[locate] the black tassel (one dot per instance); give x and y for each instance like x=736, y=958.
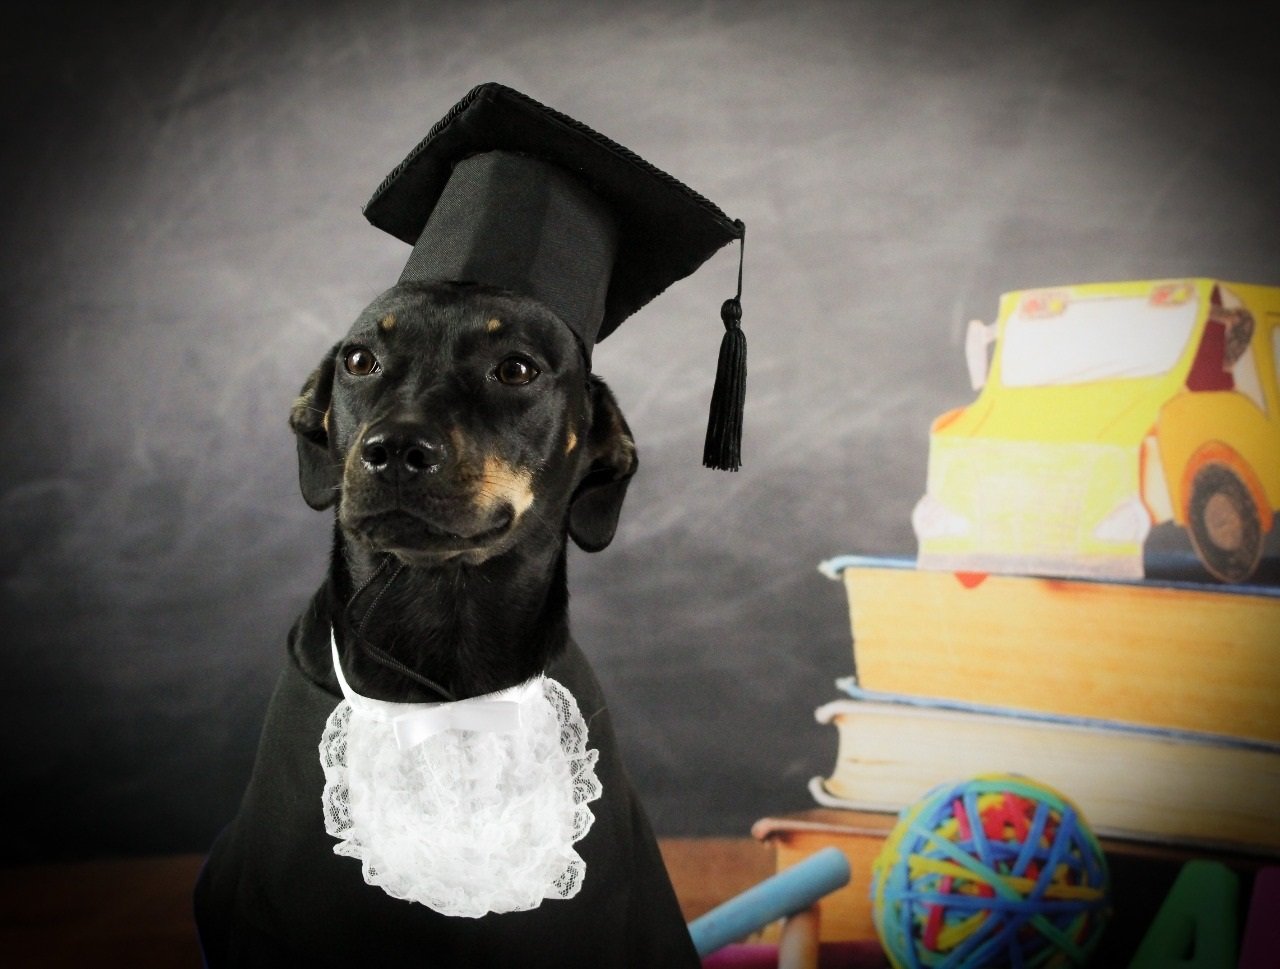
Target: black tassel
x=723, y=448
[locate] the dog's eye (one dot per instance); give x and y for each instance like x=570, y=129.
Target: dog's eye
x=361, y=362
x=516, y=371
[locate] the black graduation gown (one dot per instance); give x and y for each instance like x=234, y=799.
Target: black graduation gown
x=273, y=893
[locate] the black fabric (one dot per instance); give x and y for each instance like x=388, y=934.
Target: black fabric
x=273, y=893
x=665, y=229
x=525, y=225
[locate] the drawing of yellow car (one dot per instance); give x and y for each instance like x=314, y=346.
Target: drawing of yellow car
x=1105, y=409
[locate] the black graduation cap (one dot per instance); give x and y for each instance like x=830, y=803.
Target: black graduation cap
x=508, y=192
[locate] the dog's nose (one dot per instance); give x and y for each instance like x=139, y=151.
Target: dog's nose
x=401, y=450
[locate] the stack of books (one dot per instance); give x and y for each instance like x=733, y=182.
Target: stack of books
x=1154, y=706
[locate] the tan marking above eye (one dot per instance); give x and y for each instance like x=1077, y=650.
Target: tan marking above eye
x=501, y=482
x=572, y=443
x=494, y=325
x=387, y=323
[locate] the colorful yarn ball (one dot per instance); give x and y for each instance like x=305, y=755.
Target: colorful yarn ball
x=995, y=871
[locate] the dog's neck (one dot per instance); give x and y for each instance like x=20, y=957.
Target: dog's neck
x=470, y=629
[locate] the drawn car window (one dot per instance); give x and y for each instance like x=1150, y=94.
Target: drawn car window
x=1245, y=372
x=1078, y=341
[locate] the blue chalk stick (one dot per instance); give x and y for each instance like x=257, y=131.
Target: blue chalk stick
x=786, y=893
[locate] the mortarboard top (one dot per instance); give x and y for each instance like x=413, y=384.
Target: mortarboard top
x=508, y=192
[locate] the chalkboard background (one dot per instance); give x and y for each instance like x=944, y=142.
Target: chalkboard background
x=182, y=240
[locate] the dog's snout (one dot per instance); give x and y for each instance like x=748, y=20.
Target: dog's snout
x=402, y=450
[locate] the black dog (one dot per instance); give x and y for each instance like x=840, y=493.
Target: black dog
x=461, y=437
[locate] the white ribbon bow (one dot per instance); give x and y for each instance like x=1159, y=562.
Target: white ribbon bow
x=415, y=722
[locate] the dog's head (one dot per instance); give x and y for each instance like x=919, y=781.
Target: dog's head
x=454, y=421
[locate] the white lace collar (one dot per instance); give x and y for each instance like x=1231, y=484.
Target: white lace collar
x=468, y=807
x=413, y=723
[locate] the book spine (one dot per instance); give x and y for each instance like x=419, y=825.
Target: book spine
x=1129, y=784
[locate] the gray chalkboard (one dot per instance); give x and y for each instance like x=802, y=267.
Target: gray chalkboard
x=182, y=240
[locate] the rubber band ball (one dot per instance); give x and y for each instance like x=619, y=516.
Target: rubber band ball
x=995, y=871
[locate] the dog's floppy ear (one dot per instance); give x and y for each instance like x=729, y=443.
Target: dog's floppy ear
x=319, y=474
x=611, y=461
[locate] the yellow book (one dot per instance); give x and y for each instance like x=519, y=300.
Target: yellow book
x=1147, y=785
x=1170, y=655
